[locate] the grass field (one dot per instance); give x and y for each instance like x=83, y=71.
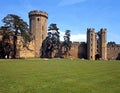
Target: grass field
x=59, y=76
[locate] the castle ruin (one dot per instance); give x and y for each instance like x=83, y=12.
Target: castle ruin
x=96, y=46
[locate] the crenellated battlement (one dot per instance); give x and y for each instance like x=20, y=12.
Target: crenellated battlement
x=90, y=29
x=38, y=28
x=38, y=13
x=103, y=30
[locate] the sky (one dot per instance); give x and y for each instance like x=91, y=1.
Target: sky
x=74, y=15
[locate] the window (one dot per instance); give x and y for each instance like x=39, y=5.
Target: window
x=91, y=39
x=97, y=46
x=97, y=50
x=38, y=19
x=42, y=28
x=91, y=44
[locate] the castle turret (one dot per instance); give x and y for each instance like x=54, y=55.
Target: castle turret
x=38, y=28
x=103, y=44
x=91, y=42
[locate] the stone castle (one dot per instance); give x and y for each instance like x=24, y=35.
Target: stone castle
x=96, y=45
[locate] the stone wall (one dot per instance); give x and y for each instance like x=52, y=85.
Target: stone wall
x=113, y=51
x=78, y=50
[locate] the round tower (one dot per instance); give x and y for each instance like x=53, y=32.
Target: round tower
x=38, y=28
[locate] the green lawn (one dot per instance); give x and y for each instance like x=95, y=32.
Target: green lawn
x=59, y=76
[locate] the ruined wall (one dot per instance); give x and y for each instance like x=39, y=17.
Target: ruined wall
x=78, y=50
x=24, y=52
x=82, y=50
x=113, y=51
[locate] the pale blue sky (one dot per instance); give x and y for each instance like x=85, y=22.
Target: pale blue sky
x=75, y=15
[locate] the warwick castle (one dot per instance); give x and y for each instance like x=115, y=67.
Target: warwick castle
x=95, y=46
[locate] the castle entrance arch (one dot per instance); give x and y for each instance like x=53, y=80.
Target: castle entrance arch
x=97, y=57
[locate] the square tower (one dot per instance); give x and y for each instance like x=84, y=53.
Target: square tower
x=91, y=43
x=103, y=45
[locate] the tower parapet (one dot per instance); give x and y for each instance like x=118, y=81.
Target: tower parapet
x=90, y=30
x=103, y=29
x=38, y=13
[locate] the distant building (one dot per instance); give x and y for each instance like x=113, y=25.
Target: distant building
x=95, y=48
